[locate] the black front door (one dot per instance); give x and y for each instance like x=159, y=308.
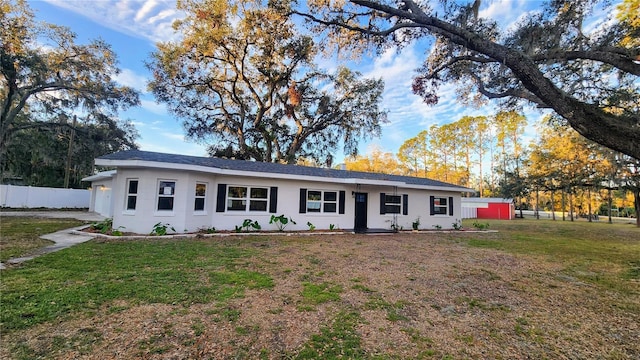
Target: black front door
x=360, y=212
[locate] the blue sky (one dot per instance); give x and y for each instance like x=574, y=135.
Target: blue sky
x=132, y=27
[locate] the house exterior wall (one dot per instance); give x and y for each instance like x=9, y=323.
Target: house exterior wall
x=102, y=197
x=184, y=217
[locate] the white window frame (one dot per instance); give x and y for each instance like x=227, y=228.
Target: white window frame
x=131, y=195
x=166, y=192
x=388, y=204
x=203, y=197
x=248, y=199
x=438, y=205
x=319, y=206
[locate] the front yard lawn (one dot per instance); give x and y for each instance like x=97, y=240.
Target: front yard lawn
x=19, y=236
x=534, y=289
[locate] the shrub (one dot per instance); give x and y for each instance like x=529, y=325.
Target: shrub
x=457, y=225
x=103, y=226
x=160, y=229
x=281, y=221
x=248, y=223
x=311, y=226
x=416, y=223
x=480, y=226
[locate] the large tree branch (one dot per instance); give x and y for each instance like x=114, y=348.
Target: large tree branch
x=622, y=61
x=512, y=92
x=457, y=59
x=359, y=29
x=617, y=132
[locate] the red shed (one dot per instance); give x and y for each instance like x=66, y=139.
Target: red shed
x=489, y=208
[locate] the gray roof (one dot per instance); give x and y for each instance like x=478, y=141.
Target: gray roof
x=273, y=168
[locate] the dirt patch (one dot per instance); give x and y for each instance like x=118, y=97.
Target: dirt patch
x=415, y=295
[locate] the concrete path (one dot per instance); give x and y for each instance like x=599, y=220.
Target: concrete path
x=62, y=239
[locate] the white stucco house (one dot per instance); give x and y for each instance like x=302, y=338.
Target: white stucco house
x=190, y=193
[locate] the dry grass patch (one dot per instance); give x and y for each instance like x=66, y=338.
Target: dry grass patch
x=403, y=296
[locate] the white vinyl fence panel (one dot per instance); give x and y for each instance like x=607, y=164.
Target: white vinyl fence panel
x=469, y=212
x=42, y=197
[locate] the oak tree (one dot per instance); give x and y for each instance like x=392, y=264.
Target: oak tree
x=243, y=80
x=547, y=59
x=46, y=78
x=62, y=156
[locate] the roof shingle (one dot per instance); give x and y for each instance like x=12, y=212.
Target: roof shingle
x=273, y=168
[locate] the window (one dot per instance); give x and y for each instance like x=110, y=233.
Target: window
x=392, y=204
x=330, y=201
x=322, y=201
x=201, y=192
x=132, y=194
x=238, y=197
x=440, y=206
x=166, y=192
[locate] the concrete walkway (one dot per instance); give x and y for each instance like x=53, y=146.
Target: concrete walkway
x=62, y=239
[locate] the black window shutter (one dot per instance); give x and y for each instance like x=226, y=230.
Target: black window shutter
x=273, y=200
x=382, y=207
x=303, y=201
x=341, y=200
x=405, y=204
x=450, y=205
x=222, y=195
x=432, y=209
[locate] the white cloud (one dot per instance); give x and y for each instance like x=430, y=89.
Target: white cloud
x=128, y=77
x=146, y=9
x=153, y=107
x=150, y=19
x=173, y=136
x=503, y=11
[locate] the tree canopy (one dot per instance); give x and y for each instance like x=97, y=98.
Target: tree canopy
x=62, y=156
x=243, y=80
x=47, y=79
x=547, y=59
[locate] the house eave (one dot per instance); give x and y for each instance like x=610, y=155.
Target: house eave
x=103, y=175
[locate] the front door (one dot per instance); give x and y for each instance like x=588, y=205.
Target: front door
x=360, y=224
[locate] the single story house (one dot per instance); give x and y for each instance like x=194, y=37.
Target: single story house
x=488, y=208
x=190, y=193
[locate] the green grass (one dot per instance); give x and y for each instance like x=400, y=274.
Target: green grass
x=111, y=276
x=21, y=235
x=320, y=293
x=338, y=340
x=86, y=276
x=598, y=253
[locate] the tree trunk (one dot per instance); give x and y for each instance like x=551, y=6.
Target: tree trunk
x=553, y=206
x=67, y=168
x=610, y=205
x=537, y=203
x=589, y=198
x=563, y=205
x=571, y=205
x=636, y=203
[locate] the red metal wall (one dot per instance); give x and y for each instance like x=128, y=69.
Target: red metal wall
x=499, y=211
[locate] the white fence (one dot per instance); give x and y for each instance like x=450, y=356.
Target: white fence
x=42, y=197
x=469, y=212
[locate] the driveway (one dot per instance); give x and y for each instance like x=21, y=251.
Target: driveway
x=62, y=239
x=80, y=215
